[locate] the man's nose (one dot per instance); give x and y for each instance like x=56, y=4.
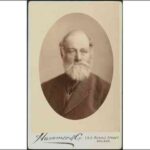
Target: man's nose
x=78, y=56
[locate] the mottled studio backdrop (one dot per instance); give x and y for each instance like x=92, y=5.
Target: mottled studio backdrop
x=50, y=63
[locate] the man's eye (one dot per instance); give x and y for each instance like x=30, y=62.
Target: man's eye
x=70, y=50
x=84, y=51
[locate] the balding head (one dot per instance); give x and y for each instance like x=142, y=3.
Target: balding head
x=77, y=36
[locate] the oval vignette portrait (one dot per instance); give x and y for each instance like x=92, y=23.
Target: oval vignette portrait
x=76, y=66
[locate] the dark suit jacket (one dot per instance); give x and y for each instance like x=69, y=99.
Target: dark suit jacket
x=85, y=100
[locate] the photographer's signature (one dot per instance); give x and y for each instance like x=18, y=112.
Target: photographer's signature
x=44, y=137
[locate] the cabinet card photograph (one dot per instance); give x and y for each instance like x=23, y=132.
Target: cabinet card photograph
x=74, y=75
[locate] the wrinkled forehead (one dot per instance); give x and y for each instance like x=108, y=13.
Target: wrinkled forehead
x=78, y=39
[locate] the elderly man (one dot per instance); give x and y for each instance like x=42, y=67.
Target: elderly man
x=77, y=93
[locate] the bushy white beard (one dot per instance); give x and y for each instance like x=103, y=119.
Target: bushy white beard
x=78, y=71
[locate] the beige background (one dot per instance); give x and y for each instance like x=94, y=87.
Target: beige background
x=50, y=61
x=42, y=16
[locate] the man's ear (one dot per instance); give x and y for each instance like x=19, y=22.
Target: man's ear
x=61, y=50
x=62, y=53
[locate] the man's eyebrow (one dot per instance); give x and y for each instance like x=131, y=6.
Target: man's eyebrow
x=70, y=48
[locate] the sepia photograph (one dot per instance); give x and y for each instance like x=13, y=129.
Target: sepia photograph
x=81, y=44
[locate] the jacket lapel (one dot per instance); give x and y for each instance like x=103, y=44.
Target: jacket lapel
x=79, y=95
x=57, y=95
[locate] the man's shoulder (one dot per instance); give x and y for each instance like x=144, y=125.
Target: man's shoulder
x=101, y=83
x=100, y=88
x=53, y=82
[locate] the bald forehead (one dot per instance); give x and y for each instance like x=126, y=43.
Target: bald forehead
x=76, y=37
x=76, y=34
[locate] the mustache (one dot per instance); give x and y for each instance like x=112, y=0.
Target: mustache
x=85, y=64
x=82, y=63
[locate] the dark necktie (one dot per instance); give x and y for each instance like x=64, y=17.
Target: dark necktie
x=70, y=89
